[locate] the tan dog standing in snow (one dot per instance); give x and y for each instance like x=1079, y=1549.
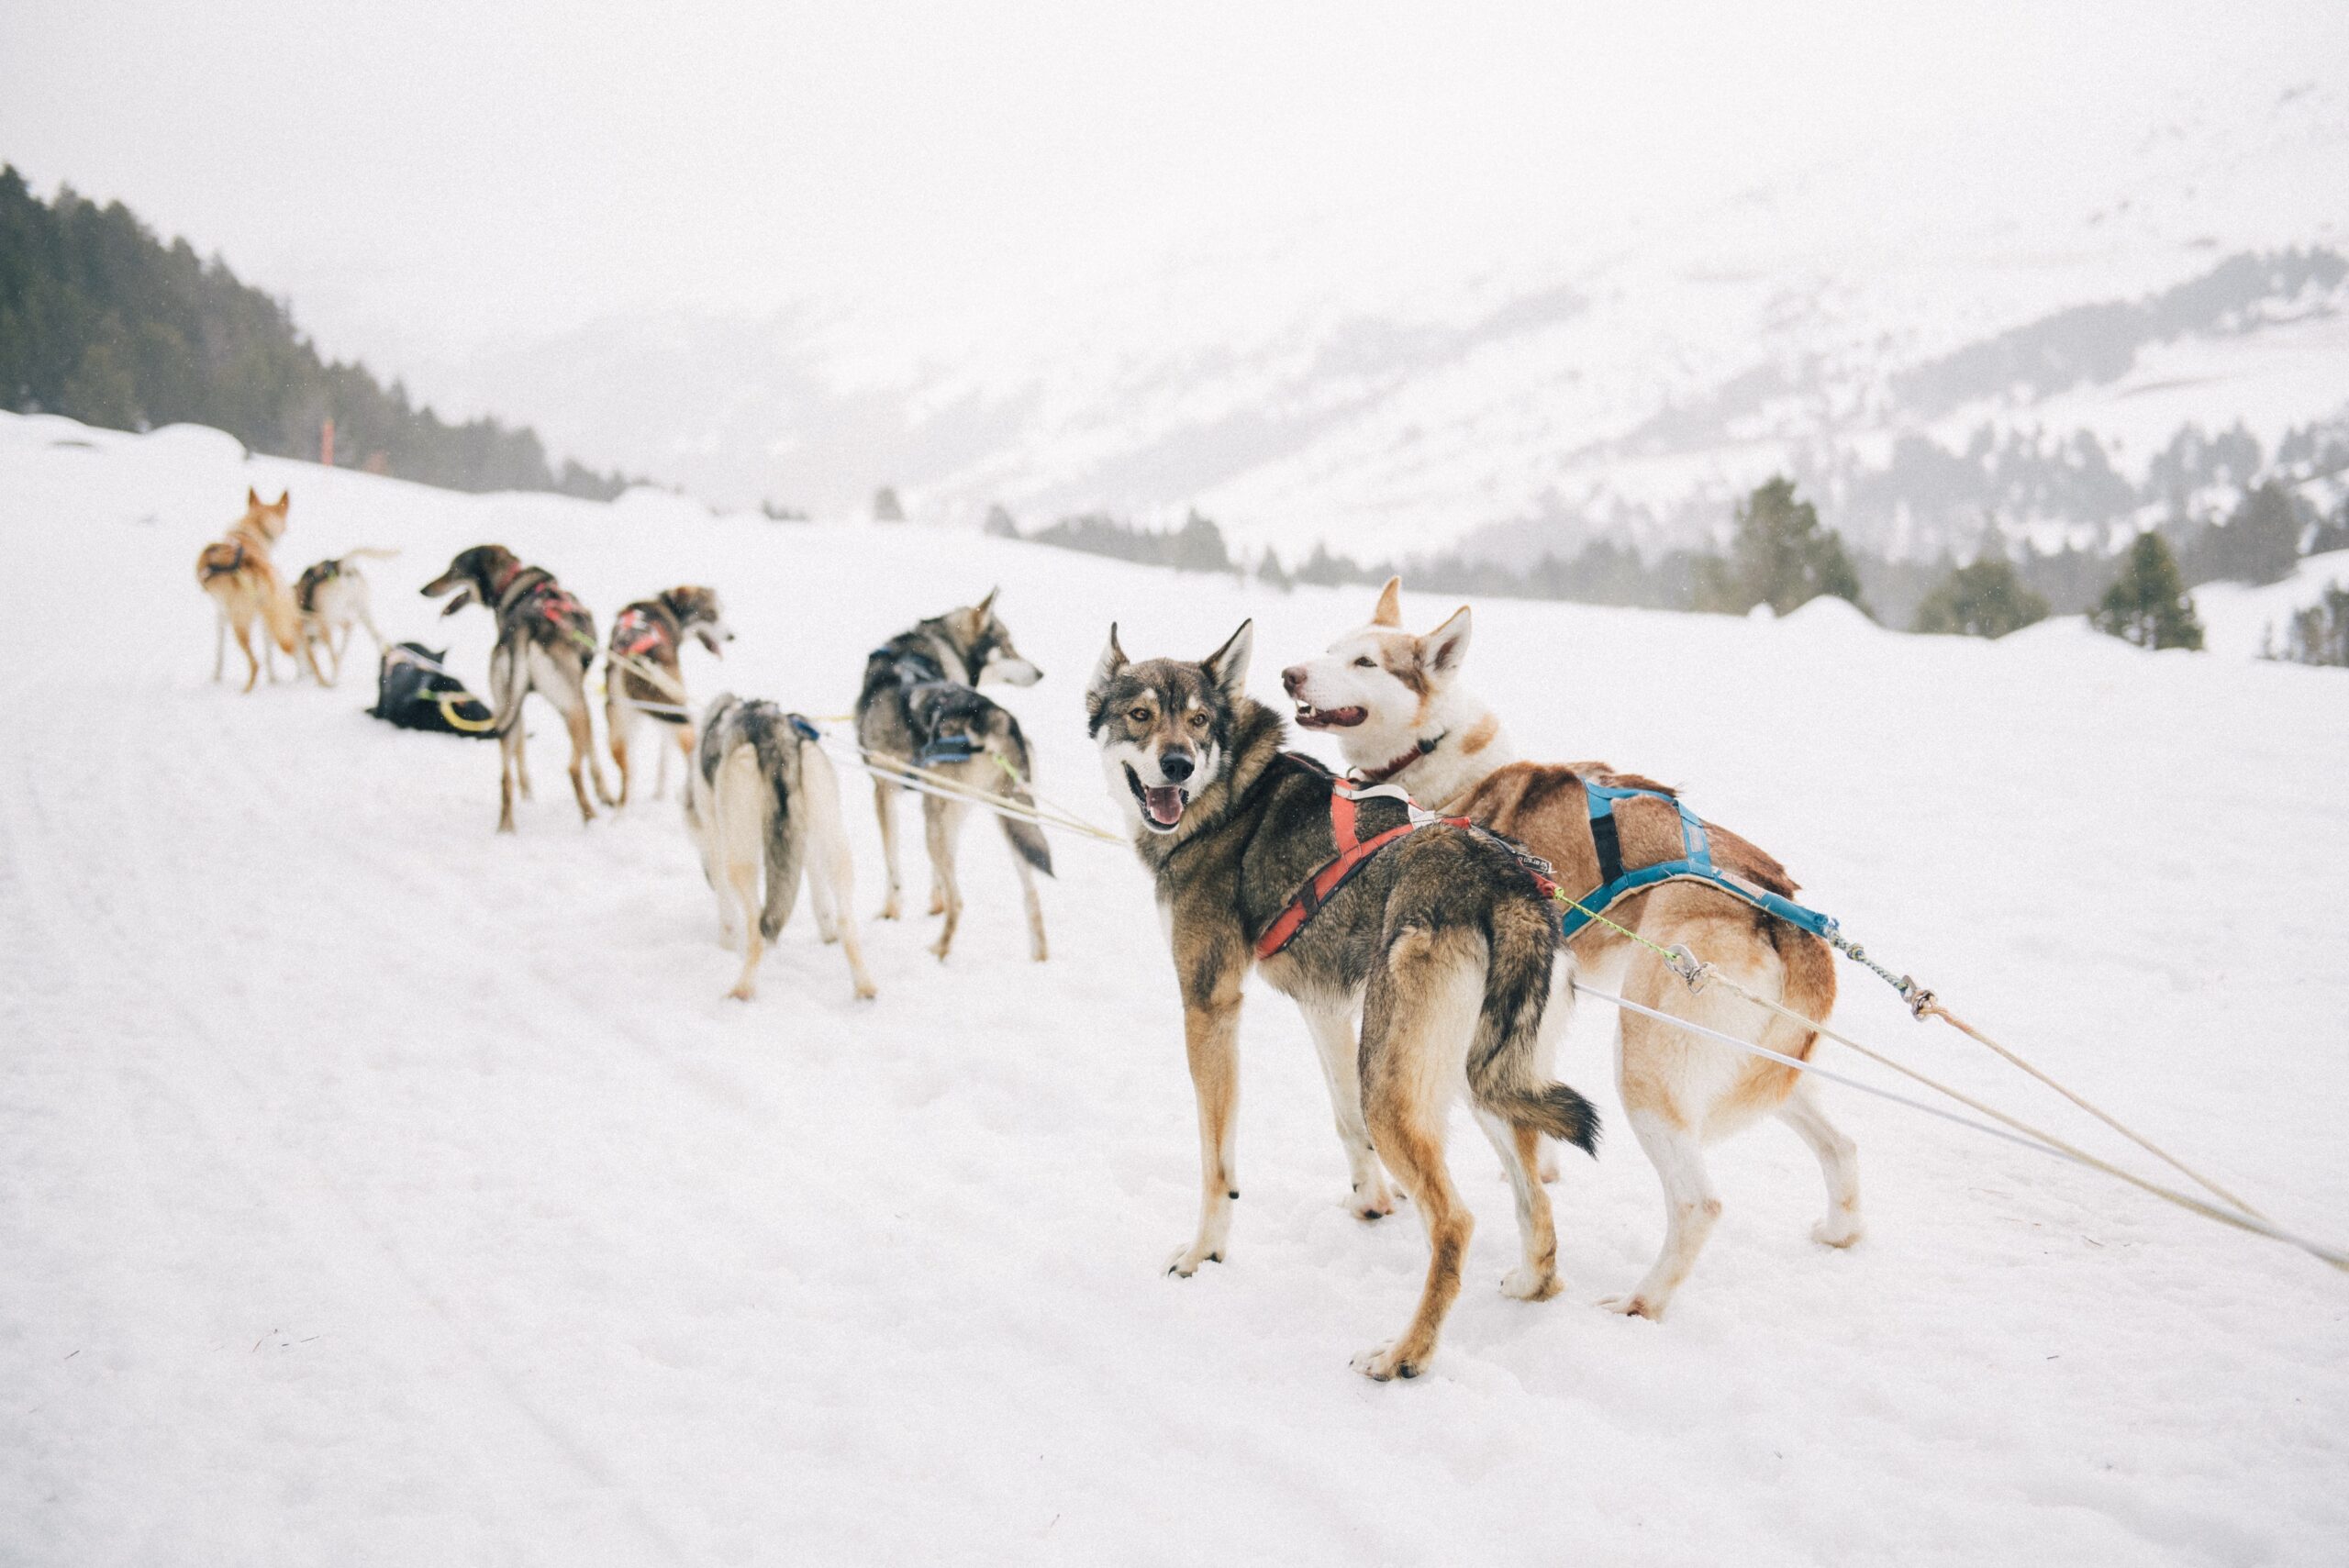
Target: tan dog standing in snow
x=1395, y=702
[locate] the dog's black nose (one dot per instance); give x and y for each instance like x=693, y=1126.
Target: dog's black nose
x=1292, y=678
x=1176, y=765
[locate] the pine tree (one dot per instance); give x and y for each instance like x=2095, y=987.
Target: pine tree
x=1984, y=599
x=2147, y=604
x=1272, y=573
x=1000, y=524
x=1198, y=546
x=1780, y=557
x=886, y=507
x=2320, y=634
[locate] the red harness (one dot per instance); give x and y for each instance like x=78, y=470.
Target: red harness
x=647, y=633
x=1353, y=853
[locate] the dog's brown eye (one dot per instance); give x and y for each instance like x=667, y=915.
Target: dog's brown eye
x=1139, y=715
x=1366, y=663
x=1198, y=721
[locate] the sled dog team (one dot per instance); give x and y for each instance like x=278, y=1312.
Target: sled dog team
x=1410, y=907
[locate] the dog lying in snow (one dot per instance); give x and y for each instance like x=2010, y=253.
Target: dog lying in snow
x=1443, y=938
x=243, y=581
x=650, y=635
x=1396, y=705
x=331, y=597
x=763, y=804
x=546, y=640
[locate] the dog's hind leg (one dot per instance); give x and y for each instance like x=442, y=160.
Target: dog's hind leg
x=831, y=874
x=942, y=825
x=1536, y=1278
x=885, y=807
x=245, y=645
x=742, y=882
x=509, y=759
x=1331, y=1025
x=1417, y=1018
x=1691, y=1207
x=619, y=727
x=219, y=642
x=1837, y=1161
x=583, y=756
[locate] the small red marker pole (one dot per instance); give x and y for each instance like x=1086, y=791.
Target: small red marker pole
x=326, y=443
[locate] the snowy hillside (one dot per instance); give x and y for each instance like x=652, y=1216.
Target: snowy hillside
x=1617, y=371
x=379, y=1190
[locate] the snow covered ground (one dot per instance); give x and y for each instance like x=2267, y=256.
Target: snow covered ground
x=378, y=1190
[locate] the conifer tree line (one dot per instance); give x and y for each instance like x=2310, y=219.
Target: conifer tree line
x=103, y=322
x=1782, y=556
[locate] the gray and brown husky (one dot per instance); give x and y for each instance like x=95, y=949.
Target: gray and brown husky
x=546, y=640
x=1443, y=937
x=763, y=804
x=909, y=691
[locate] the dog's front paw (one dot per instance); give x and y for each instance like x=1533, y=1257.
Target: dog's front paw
x=1381, y=1364
x=1634, y=1305
x=745, y=991
x=1186, y=1260
x=889, y=907
x=1525, y=1284
x=1371, y=1199
x=1839, y=1229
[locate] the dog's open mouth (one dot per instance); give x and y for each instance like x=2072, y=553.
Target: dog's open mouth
x=1161, y=806
x=1330, y=717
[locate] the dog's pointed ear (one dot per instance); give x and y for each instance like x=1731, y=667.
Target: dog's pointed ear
x=1113, y=659
x=1228, y=665
x=986, y=604
x=1390, y=604
x=1441, y=649
x=284, y=498
x=252, y=497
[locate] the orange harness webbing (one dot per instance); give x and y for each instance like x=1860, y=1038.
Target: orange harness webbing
x=1353, y=853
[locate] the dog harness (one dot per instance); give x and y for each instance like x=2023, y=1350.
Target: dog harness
x=1354, y=851
x=638, y=632
x=1695, y=864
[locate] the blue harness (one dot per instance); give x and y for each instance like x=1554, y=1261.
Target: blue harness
x=1695, y=864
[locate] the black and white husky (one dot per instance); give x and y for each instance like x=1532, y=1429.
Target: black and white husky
x=967, y=647
x=761, y=801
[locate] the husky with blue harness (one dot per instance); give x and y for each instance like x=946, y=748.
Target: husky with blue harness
x=1628, y=856
x=919, y=707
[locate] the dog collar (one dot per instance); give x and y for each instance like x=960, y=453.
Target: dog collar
x=1380, y=774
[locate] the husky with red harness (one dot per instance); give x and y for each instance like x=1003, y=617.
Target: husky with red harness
x=1440, y=934
x=546, y=640
x=644, y=675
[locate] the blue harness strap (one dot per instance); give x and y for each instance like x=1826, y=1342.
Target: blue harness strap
x=947, y=748
x=1695, y=864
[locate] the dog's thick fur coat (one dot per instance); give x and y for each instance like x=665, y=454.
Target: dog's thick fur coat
x=909, y=693
x=242, y=580
x=1396, y=705
x=1442, y=940
x=330, y=597
x=546, y=641
x=762, y=806
x=650, y=635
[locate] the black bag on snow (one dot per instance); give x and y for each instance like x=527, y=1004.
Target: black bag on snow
x=414, y=690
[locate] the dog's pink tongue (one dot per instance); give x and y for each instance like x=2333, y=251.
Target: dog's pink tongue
x=1166, y=804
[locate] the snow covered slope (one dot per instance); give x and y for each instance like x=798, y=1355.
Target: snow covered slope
x=378, y=1190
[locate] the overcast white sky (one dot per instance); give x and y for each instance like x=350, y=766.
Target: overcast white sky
x=425, y=176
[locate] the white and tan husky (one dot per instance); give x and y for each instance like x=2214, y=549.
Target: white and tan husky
x=1395, y=702
x=762, y=803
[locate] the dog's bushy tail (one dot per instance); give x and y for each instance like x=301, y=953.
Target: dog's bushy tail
x=1503, y=1061
x=1026, y=839
x=764, y=726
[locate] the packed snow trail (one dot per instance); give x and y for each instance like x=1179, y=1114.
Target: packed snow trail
x=379, y=1190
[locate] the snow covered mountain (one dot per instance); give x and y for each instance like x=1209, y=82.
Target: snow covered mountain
x=1865, y=326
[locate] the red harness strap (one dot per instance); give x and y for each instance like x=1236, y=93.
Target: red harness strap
x=637, y=633
x=1354, y=852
